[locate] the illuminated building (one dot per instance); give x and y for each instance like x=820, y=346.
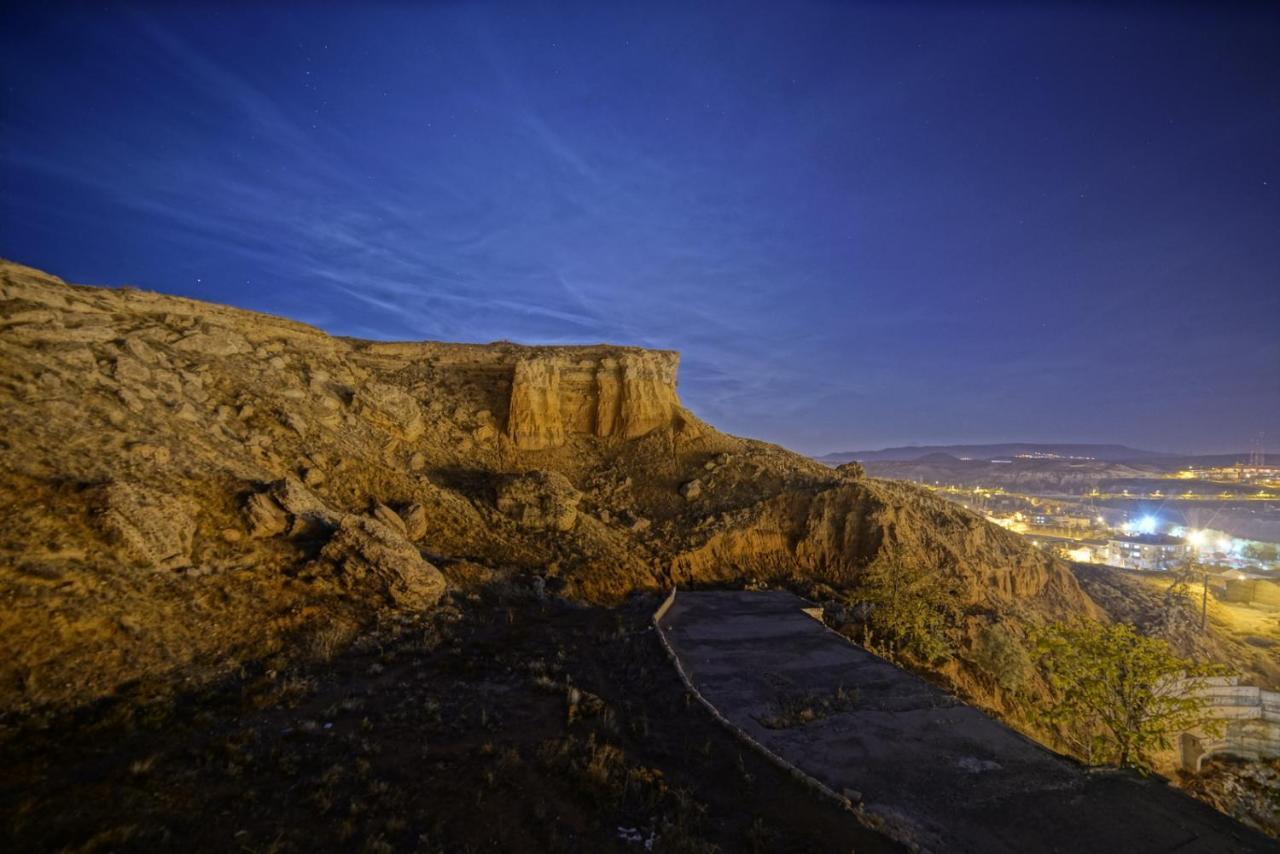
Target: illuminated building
x=1147, y=551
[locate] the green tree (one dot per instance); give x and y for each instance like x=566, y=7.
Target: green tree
x=1004, y=659
x=904, y=612
x=1180, y=610
x=1121, y=695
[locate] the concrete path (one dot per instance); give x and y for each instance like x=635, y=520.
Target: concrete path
x=941, y=775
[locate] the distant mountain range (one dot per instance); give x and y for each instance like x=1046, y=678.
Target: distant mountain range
x=1008, y=450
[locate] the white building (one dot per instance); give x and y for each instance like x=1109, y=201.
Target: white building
x=1147, y=551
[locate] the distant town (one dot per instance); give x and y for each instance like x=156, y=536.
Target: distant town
x=1220, y=516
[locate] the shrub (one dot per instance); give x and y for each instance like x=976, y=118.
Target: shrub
x=905, y=612
x=1004, y=659
x=1120, y=695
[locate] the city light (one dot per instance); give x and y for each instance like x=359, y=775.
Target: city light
x=1224, y=545
x=1195, y=538
x=1147, y=525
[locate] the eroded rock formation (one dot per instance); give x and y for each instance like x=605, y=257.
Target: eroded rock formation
x=534, y=421
x=541, y=500
x=368, y=555
x=607, y=395
x=151, y=528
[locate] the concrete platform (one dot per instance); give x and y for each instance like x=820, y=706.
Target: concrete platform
x=940, y=774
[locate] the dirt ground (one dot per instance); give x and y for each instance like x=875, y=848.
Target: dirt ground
x=508, y=723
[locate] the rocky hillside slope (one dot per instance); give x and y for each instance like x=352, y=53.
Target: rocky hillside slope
x=189, y=486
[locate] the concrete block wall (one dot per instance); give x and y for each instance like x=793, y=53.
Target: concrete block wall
x=1252, y=590
x=1252, y=718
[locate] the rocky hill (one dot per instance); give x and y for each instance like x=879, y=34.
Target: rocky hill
x=189, y=486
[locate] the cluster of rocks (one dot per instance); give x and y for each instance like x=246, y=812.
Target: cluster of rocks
x=1245, y=790
x=364, y=554
x=367, y=555
x=541, y=500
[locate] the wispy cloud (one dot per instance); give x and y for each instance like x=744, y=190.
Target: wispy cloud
x=841, y=215
x=552, y=247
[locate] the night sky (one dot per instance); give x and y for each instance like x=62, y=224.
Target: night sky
x=861, y=225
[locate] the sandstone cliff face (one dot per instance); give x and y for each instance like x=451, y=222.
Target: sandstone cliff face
x=606, y=396
x=185, y=486
x=534, y=421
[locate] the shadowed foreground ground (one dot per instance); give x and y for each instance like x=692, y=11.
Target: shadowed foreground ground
x=510, y=724
x=940, y=774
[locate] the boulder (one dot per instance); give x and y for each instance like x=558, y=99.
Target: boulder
x=366, y=557
x=151, y=529
x=307, y=510
x=390, y=409
x=540, y=500
x=287, y=507
x=213, y=342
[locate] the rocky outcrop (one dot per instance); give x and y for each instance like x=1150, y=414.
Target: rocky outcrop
x=540, y=500
x=832, y=534
x=287, y=507
x=852, y=470
x=534, y=421
x=648, y=394
x=149, y=528
x=368, y=556
x=390, y=409
x=617, y=394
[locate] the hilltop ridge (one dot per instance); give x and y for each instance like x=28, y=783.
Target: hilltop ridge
x=190, y=486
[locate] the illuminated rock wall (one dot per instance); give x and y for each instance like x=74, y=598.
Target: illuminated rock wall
x=608, y=394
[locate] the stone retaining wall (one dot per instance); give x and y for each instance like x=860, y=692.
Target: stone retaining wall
x=1252, y=718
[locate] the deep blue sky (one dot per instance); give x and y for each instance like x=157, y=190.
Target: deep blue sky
x=862, y=225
